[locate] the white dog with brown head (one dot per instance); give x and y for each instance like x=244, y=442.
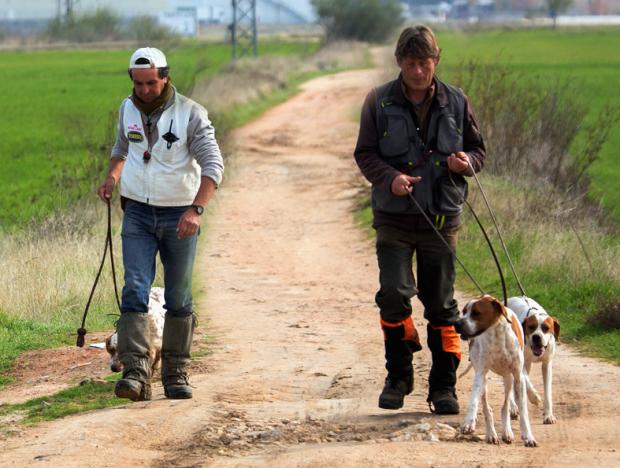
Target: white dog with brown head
x=542, y=332
x=497, y=345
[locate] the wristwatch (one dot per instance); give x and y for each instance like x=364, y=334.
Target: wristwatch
x=198, y=209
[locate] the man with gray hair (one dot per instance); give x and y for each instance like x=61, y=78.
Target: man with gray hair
x=418, y=138
x=168, y=165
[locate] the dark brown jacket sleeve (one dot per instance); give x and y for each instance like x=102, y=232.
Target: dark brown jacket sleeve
x=378, y=173
x=473, y=144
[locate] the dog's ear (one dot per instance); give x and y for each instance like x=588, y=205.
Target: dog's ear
x=108, y=344
x=556, y=329
x=499, y=308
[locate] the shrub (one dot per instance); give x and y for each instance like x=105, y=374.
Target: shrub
x=608, y=317
x=146, y=28
x=103, y=24
x=364, y=20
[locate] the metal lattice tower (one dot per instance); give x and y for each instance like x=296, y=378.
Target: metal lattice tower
x=244, y=41
x=65, y=7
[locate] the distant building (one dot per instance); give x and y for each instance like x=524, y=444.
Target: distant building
x=267, y=11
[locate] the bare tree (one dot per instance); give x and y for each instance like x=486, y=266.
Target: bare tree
x=555, y=7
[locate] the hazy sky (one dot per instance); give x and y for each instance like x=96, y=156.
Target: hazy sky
x=24, y=9
x=27, y=9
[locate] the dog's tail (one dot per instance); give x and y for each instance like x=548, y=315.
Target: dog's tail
x=466, y=370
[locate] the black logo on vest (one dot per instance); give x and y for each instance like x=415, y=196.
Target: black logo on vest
x=170, y=137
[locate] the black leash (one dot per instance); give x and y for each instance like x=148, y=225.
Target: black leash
x=445, y=242
x=501, y=239
x=81, y=332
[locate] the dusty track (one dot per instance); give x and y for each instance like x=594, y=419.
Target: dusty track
x=296, y=362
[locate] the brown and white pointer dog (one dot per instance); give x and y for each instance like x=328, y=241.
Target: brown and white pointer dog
x=542, y=332
x=496, y=345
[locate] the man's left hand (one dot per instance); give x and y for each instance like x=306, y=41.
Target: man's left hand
x=458, y=162
x=188, y=224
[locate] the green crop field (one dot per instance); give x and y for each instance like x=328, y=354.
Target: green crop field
x=60, y=110
x=585, y=58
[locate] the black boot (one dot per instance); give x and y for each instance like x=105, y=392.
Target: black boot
x=175, y=356
x=445, y=352
x=133, y=351
x=394, y=391
x=400, y=343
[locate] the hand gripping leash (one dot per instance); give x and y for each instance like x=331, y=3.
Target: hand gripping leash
x=81, y=332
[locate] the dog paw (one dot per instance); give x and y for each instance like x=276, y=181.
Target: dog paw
x=530, y=442
x=549, y=419
x=468, y=427
x=508, y=437
x=534, y=397
x=492, y=439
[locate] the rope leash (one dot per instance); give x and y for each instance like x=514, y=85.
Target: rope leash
x=81, y=332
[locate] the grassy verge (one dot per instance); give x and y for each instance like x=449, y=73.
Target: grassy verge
x=88, y=396
x=17, y=336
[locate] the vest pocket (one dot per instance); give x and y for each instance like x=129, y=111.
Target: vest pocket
x=449, y=197
x=175, y=153
x=395, y=138
x=390, y=203
x=449, y=135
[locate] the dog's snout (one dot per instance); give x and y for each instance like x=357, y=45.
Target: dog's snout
x=458, y=326
x=537, y=340
x=116, y=367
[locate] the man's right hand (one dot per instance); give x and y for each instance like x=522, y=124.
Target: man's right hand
x=105, y=190
x=403, y=184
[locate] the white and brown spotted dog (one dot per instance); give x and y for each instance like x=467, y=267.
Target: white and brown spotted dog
x=541, y=334
x=156, y=315
x=497, y=346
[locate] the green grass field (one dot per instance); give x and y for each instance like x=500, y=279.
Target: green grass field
x=586, y=58
x=60, y=110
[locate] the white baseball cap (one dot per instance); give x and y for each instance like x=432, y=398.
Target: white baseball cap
x=155, y=57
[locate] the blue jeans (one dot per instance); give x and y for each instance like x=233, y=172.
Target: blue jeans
x=146, y=231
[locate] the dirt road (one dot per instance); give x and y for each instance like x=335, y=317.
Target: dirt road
x=296, y=362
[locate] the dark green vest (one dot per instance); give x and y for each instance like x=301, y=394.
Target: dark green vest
x=402, y=148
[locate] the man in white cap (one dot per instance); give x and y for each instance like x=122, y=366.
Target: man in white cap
x=169, y=165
